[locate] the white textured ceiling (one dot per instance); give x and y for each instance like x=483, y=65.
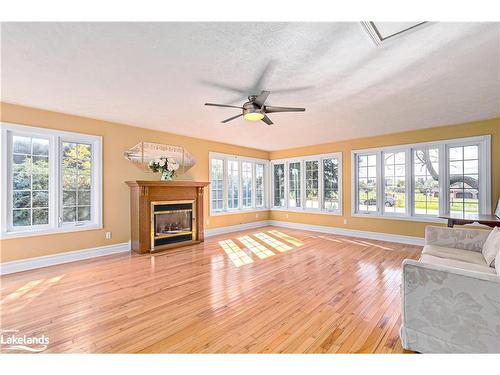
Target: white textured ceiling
x=154, y=75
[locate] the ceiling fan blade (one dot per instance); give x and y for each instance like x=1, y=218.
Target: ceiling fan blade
x=261, y=81
x=267, y=120
x=259, y=100
x=293, y=89
x=231, y=118
x=272, y=109
x=223, y=105
x=223, y=86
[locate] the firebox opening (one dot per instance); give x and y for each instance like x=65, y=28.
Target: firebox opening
x=172, y=222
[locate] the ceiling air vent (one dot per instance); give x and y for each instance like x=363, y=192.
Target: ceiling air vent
x=380, y=32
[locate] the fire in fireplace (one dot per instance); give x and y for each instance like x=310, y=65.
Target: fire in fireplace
x=172, y=222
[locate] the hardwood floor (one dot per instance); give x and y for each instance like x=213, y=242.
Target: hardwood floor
x=299, y=292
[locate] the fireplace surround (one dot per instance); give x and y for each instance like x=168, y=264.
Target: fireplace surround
x=165, y=214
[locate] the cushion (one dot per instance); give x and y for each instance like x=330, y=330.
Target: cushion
x=468, y=256
x=430, y=259
x=491, y=246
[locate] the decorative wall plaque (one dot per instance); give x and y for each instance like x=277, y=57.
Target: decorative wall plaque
x=143, y=152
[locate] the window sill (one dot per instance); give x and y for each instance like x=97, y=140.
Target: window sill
x=239, y=211
x=404, y=218
x=307, y=211
x=44, y=232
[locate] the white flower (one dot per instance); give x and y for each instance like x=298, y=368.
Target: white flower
x=161, y=162
x=170, y=166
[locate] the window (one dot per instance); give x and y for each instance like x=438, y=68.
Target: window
x=259, y=185
x=331, y=200
x=279, y=185
x=424, y=180
x=233, y=184
x=367, y=183
x=294, y=181
x=30, y=181
x=395, y=182
x=246, y=180
x=216, y=185
x=312, y=183
x=464, y=179
x=76, y=182
x=236, y=183
x=53, y=181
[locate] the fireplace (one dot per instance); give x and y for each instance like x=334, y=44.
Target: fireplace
x=172, y=222
x=165, y=214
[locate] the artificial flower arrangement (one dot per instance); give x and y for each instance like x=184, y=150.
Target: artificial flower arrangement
x=167, y=167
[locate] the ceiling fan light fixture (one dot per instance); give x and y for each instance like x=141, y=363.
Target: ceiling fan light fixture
x=253, y=116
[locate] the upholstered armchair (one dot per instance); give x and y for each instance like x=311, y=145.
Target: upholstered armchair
x=451, y=297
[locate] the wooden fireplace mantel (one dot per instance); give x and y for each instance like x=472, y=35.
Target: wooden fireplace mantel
x=143, y=193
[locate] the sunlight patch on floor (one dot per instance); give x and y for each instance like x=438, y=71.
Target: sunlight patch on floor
x=31, y=291
x=375, y=245
x=273, y=242
x=235, y=253
x=258, y=249
x=328, y=238
x=286, y=237
x=22, y=290
x=365, y=243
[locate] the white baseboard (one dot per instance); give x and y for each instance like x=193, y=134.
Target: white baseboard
x=351, y=232
x=70, y=256
x=235, y=228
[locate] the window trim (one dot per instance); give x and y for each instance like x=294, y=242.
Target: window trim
x=263, y=206
x=302, y=160
x=240, y=159
x=55, y=193
x=285, y=184
x=484, y=142
x=300, y=183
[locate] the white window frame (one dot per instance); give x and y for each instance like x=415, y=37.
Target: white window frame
x=484, y=143
x=55, y=137
x=240, y=159
x=287, y=185
x=285, y=182
x=211, y=184
x=263, y=206
x=302, y=160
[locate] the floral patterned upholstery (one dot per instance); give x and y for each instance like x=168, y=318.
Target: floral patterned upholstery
x=458, y=238
x=448, y=309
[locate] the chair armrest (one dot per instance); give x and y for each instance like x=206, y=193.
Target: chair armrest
x=458, y=238
x=434, y=270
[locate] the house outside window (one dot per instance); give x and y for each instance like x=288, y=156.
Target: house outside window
x=425, y=180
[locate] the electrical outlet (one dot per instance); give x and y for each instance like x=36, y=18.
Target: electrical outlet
x=109, y=235
x=345, y=221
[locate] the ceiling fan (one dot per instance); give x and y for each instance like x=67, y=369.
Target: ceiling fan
x=256, y=110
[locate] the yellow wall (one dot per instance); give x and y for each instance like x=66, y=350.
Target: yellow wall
x=409, y=228
x=117, y=138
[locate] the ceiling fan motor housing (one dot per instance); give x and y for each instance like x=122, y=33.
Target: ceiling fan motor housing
x=251, y=107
